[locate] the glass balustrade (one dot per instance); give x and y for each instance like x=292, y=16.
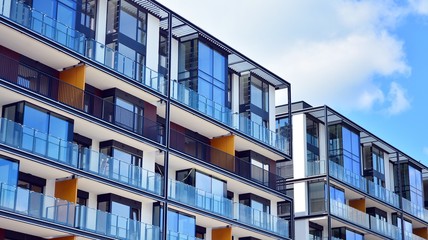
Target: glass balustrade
x=314, y=168
x=72, y=39
x=58, y=211
x=44, y=145
x=194, y=197
x=224, y=115
x=362, y=184
x=179, y=236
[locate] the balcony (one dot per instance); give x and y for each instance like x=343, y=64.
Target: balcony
x=46, y=208
x=224, y=207
x=65, y=36
x=415, y=209
x=209, y=154
x=315, y=168
x=364, y=220
x=57, y=150
x=22, y=75
x=179, y=236
x=362, y=184
x=224, y=115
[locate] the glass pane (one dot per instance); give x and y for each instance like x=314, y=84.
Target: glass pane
x=186, y=225
x=128, y=20
x=203, y=182
x=120, y=209
x=172, y=221
x=59, y=128
x=36, y=119
x=205, y=58
x=9, y=172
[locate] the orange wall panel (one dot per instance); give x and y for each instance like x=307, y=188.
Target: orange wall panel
x=359, y=204
x=421, y=232
x=75, y=76
x=225, y=144
x=222, y=233
x=66, y=190
x=65, y=238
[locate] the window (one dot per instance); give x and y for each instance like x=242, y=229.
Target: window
x=77, y=15
x=178, y=222
x=258, y=206
x=411, y=183
x=31, y=182
x=82, y=197
x=204, y=70
x=126, y=33
x=163, y=53
x=346, y=234
x=257, y=168
x=122, y=207
x=122, y=165
x=202, y=181
x=344, y=148
x=315, y=231
x=396, y=220
x=317, y=197
x=9, y=171
x=337, y=194
x=282, y=127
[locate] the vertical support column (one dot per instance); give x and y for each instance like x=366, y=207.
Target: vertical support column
x=167, y=133
x=328, y=172
x=290, y=123
x=152, y=49
x=100, y=32
x=400, y=193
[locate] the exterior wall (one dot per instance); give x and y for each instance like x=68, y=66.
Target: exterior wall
x=152, y=52
x=235, y=99
x=300, y=200
x=302, y=227
x=174, y=59
x=272, y=112
x=299, y=146
x=322, y=147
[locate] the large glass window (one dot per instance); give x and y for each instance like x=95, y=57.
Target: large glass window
x=202, y=181
x=344, y=233
x=178, y=222
x=126, y=33
x=204, y=70
x=344, y=148
x=9, y=171
x=337, y=194
x=412, y=188
x=71, y=15
x=317, y=197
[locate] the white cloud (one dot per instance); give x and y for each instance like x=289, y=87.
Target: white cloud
x=330, y=51
x=399, y=102
x=419, y=6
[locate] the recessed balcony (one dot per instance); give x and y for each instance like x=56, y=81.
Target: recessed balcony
x=73, y=40
x=226, y=208
x=57, y=150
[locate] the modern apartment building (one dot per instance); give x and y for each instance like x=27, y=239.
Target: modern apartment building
x=122, y=120
x=349, y=184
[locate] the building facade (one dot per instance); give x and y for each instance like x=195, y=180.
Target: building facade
x=349, y=184
x=122, y=120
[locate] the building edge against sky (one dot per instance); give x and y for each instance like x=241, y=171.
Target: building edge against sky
x=374, y=189
x=123, y=120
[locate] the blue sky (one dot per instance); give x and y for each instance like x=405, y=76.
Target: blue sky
x=366, y=59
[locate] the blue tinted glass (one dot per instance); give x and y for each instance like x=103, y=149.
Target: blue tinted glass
x=219, y=67
x=128, y=20
x=36, y=119
x=122, y=156
x=346, y=136
x=59, y=128
x=172, y=221
x=355, y=144
x=205, y=89
x=66, y=15
x=219, y=95
x=186, y=225
x=47, y=7
x=9, y=172
x=256, y=95
x=203, y=182
x=120, y=209
x=205, y=58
